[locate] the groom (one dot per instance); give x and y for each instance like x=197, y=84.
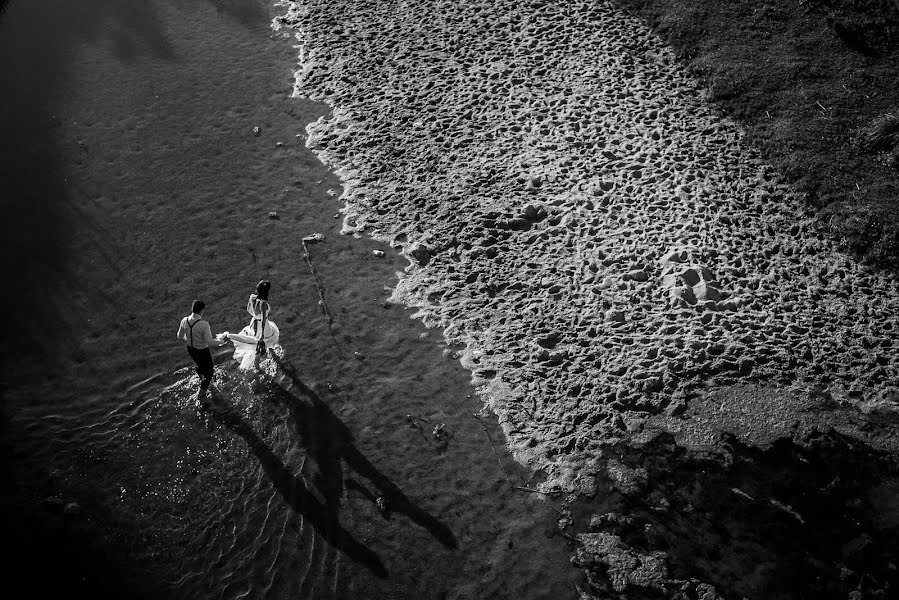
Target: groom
x=196, y=332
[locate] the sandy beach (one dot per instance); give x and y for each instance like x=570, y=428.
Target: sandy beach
x=567, y=335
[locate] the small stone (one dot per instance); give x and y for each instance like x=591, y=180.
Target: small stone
x=378, y=253
x=257, y=131
x=383, y=506
x=638, y=275
x=653, y=384
x=54, y=502
x=615, y=316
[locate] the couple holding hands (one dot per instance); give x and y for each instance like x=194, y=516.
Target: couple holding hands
x=250, y=345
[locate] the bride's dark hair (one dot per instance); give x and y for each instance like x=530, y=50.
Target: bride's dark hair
x=262, y=289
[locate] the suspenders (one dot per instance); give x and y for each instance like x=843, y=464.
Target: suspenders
x=191, y=327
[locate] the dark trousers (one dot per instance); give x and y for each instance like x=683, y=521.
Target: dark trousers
x=203, y=358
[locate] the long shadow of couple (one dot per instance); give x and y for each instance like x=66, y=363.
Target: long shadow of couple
x=327, y=442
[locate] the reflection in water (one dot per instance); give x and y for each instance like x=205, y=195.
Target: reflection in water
x=327, y=442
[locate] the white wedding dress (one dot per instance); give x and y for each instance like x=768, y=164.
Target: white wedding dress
x=245, y=341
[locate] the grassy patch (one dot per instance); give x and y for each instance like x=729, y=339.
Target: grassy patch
x=815, y=84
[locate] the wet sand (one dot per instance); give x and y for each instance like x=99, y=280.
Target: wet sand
x=137, y=184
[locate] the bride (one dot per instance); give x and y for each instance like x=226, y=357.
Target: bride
x=252, y=343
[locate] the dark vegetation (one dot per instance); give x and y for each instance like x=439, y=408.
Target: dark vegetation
x=816, y=85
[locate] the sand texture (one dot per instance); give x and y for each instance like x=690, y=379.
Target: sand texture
x=599, y=240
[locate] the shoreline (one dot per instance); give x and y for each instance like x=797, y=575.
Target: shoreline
x=170, y=192
x=604, y=253
x=673, y=239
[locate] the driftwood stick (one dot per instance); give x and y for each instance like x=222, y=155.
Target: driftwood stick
x=495, y=453
x=321, y=289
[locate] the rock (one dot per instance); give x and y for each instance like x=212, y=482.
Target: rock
x=314, y=238
x=273, y=215
x=684, y=294
x=638, y=275
x=716, y=349
x=674, y=256
x=378, y=253
x=279, y=144
x=611, y=519
x=669, y=281
x=653, y=384
x=690, y=276
x=534, y=183
x=72, y=508
x=705, y=291
x=549, y=341
x=730, y=305
x=615, y=316
x=257, y=131
x=535, y=212
x=626, y=479
x=625, y=567
x=516, y=224
x=704, y=591
x=634, y=424
x=421, y=254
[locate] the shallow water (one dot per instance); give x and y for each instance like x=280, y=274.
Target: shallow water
x=137, y=184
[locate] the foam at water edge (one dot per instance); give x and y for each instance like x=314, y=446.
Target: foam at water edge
x=595, y=235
